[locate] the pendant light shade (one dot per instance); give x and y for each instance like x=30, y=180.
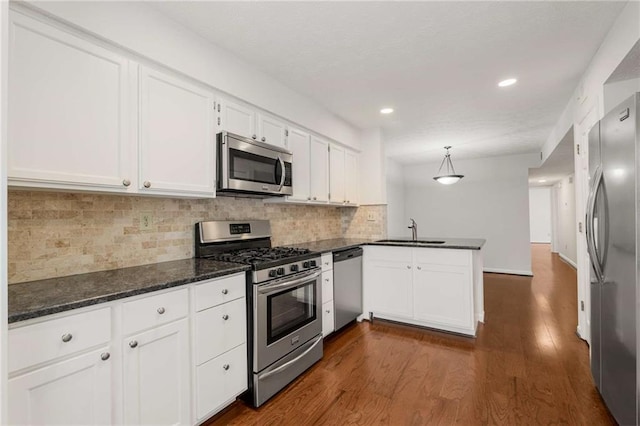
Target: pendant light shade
x=450, y=177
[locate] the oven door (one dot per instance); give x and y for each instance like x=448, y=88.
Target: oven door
x=253, y=166
x=286, y=316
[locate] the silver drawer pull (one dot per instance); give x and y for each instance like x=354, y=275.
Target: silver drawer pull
x=126, y=182
x=225, y=317
x=146, y=184
x=226, y=366
x=328, y=311
x=225, y=291
x=105, y=356
x=133, y=344
x=67, y=337
x=326, y=279
x=161, y=310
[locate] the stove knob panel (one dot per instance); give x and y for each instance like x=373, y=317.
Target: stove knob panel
x=294, y=268
x=280, y=271
x=272, y=273
x=305, y=264
x=313, y=263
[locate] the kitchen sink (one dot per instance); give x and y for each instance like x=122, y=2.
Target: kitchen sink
x=413, y=242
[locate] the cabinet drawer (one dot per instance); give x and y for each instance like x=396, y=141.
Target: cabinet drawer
x=442, y=256
x=212, y=293
x=219, y=329
x=220, y=381
x=37, y=343
x=327, y=261
x=327, y=286
x=154, y=310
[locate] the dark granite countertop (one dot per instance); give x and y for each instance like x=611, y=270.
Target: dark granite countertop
x=325, y=246
x=448, y=243
x=44, y=297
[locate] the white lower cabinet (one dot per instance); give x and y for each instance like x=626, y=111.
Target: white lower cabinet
x=220, y=380
x=75, y=391
x=156, y=376
x=328, y=314
x=436, y=288
x=173, y=357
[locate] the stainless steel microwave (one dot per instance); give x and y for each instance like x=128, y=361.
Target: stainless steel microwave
x=246, y=166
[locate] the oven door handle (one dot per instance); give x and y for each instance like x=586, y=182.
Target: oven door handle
x=270, y=288
x=290, y=363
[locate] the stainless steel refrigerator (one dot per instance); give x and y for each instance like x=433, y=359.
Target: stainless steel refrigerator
x=612, y=240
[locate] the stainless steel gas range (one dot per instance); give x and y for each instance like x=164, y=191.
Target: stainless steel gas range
x=283, y=298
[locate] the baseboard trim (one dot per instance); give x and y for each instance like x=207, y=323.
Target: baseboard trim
x=569, y=261
x=508, y=271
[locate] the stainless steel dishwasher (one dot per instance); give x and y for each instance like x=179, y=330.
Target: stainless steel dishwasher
x=347, y=285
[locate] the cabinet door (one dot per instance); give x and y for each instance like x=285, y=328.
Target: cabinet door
x=68, y=121
x=238, y=119
x=272, y=131
x=352, y=175
x=387, y=283
x=298, y=143
x=328, y=319
x=319, y=170
x=176, y=136
x=76, y=391
x=336, y=175
x=156, y=376
x=443, y=294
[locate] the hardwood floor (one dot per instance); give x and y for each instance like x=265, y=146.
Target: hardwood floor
x=526, y=366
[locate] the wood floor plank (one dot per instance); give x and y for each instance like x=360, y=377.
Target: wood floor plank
x=526, y=367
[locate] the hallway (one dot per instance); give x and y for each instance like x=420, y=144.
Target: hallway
x=526, y=366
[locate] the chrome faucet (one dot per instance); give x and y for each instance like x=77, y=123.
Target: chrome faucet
x=414, y=230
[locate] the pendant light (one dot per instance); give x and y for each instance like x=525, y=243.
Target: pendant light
x=451, y=177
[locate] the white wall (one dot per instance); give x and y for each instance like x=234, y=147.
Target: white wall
x=397, y=220
x=540, y=214
x=142, y=29
x=490, y=202
x=566, y=226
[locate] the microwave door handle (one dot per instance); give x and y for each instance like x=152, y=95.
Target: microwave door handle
x=282, y=175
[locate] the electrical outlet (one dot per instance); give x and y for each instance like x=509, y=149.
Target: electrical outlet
x=371, y=217
x=145, y=221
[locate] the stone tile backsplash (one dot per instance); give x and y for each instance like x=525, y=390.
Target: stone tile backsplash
x=54, y=234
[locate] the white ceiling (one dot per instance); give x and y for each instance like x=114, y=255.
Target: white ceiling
x=436, y=63
x=557, y=166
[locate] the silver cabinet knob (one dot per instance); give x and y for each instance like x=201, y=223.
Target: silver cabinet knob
x=226, y=366
x=408, y=267
x=263, y=139
x=67, y=337
x=254, y=137
x=326, y=263
x=326, y=279
x=146, y=184
x=225, y=291
x=328, y=311
x=308, y=198
x=225, y=317
x=314, y=198
x=161, y=310
x=105, y=356
x=419, y=268
x=126, y=182
x=133, y=343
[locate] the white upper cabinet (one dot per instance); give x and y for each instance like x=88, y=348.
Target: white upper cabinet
x=177, y=139
x=237, y=118
x=319, y=169
x=68, y=117
x=351, y=175
x=299, y=145
x=336, y=175
x=248, y=122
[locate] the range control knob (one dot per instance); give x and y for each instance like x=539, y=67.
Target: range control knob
x=272, y=273
x=305, y=264
x=313, y=263
x=294, y=268
x=280, y=271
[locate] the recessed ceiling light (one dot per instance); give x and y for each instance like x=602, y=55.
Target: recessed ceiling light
x=542, y=181
x=507, y=82
x=386, y=110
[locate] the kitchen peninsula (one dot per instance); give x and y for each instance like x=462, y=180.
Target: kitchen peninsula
x=434, y=283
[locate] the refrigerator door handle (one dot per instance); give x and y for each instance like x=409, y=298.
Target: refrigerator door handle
x=590, y=228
